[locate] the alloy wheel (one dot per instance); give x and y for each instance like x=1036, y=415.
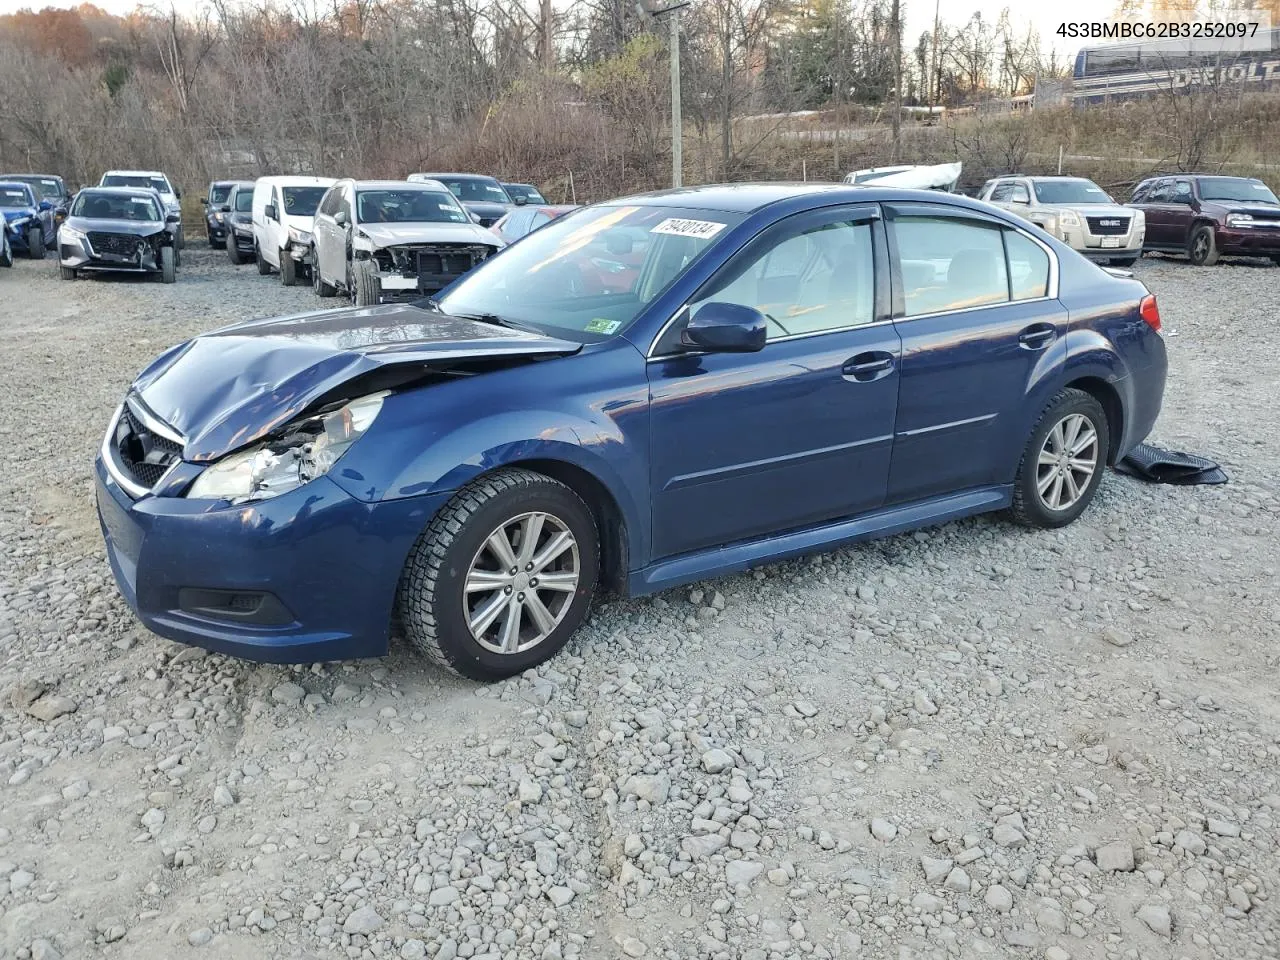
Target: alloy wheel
x=1067, y=462
x=1200, y=248
x=521, y=583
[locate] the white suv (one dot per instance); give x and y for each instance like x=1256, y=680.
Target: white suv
x=381, y=240
x=155, y=180
x=1076, y=211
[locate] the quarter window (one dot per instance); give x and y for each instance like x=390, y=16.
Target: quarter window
x=1028, y=267
x=1002, y=191
x=950, y=264
x=811, y=282
x=1162, y=193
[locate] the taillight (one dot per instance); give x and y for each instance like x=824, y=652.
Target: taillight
x=1150, y=312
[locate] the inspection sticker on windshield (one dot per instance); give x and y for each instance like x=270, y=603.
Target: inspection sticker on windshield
x=139, y=199
x=700, y=229
x=599, y=325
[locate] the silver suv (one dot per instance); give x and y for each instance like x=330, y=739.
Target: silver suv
x=1076, y=211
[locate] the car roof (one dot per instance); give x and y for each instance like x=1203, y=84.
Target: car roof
x=135, y=173
x=433, y=186
x=118, y=191
x=282, y=180
x=16, y=183
x=750, y=197
x=517, y=183
x=29, y=176
x=469, y=176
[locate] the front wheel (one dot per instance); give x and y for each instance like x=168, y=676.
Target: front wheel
x=288, y=269
x=264, y=268
x=1202, y=249
x=502, y=577
x=1123, y=261
x=233, y=252
x=66, y=273
x=6, y=251
x=366, y=288
x=35, y=243
x=168, y=265
x=180, y=238
x=321, y=288
x=1063, y=461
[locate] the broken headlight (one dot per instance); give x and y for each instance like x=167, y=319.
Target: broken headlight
x=299, y=453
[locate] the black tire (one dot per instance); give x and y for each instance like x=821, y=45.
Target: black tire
x=366, y=288
x=66, y=273
x=321, y=288
x=1276, y=261
x=168, y=265
x=6, y=253
x=264, y=268
x=233, y=252
x=1028, y=507
x=180, y=238
x=1202, y=247
x=35, y=242
x=430, y=600
x=177, y=258
x=1123, y=261
x=288, y=269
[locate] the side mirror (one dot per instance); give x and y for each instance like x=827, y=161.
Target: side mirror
x=725, y=328
x=270, y=212
x=1025, y=201
x=173, y=218
x=205, y=201
x=45, y=206
x=177, y=194
x=225, y=208
x=520, y=200
x=341, y=218
x=475, y=217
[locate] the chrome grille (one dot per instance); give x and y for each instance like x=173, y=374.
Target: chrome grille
x=1108, y=226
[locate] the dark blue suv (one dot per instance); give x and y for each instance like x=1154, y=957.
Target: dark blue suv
x=28, y=219
x=638, y=395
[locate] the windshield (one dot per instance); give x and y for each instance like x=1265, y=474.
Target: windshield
x=45, y=187
x=116, y=206
x=15, y=197
x=243, y=201
x=476, y=190
x=408, y=206
x=525, y=191
x=125, y=180
x=587, y=276
x=302, y=201
x=1070, y=191
x=219, y=192
x=1235, y=188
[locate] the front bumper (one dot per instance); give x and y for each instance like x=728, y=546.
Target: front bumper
x=243, y=240
x=323, y=565
x=78, y=255
x=217, y=231
x=1263, y=241
x=1104, y=246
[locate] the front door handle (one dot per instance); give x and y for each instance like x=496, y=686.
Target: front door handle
x=1037, y=336
x=869, y=366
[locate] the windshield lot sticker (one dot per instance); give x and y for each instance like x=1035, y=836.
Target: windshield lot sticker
x=140, y=200
x=600, y=325
x=699, y=229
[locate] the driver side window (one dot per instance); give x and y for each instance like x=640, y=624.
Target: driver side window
x=815, y=281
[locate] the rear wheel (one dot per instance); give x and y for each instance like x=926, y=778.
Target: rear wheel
x=321, y=288
x=264, y=268
x=168, y=265
x=1063, y=461
x=180, y=238
x=35, y=242
x=288, y=269
x=502, y=577
x=1202, y=248
x=66, y=273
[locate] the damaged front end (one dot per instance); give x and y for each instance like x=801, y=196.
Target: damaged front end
x=412, y=270
x=112, y=249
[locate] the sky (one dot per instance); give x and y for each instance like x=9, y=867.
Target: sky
x=1045, y=17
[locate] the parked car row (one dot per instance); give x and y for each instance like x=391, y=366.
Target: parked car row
x=370, y=240
x=1202, y=217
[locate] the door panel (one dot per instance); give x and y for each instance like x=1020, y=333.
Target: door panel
x=747, y=444
x=966, y=365
x=744, y=445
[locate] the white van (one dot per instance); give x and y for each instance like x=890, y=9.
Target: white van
x=283, y=209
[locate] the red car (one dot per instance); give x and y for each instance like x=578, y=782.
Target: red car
x=523, y=220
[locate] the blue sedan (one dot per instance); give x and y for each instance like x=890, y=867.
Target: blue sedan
x=641, y=394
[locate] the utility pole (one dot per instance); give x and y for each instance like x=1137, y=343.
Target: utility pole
x=897, y=76
x=933, y=93
x=647, y=10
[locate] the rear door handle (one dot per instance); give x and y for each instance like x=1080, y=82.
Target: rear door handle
x=869, y=366
x=1037, y=336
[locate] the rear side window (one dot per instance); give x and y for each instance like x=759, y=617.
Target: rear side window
x=950, y=264
x=1028, y=267
x=1002, y=192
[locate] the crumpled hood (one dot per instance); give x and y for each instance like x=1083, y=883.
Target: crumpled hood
x=231, y=387
x=23, y=213
x=138, y=228
x=391, y=234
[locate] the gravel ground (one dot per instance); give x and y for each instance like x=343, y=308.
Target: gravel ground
x=971, y=741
